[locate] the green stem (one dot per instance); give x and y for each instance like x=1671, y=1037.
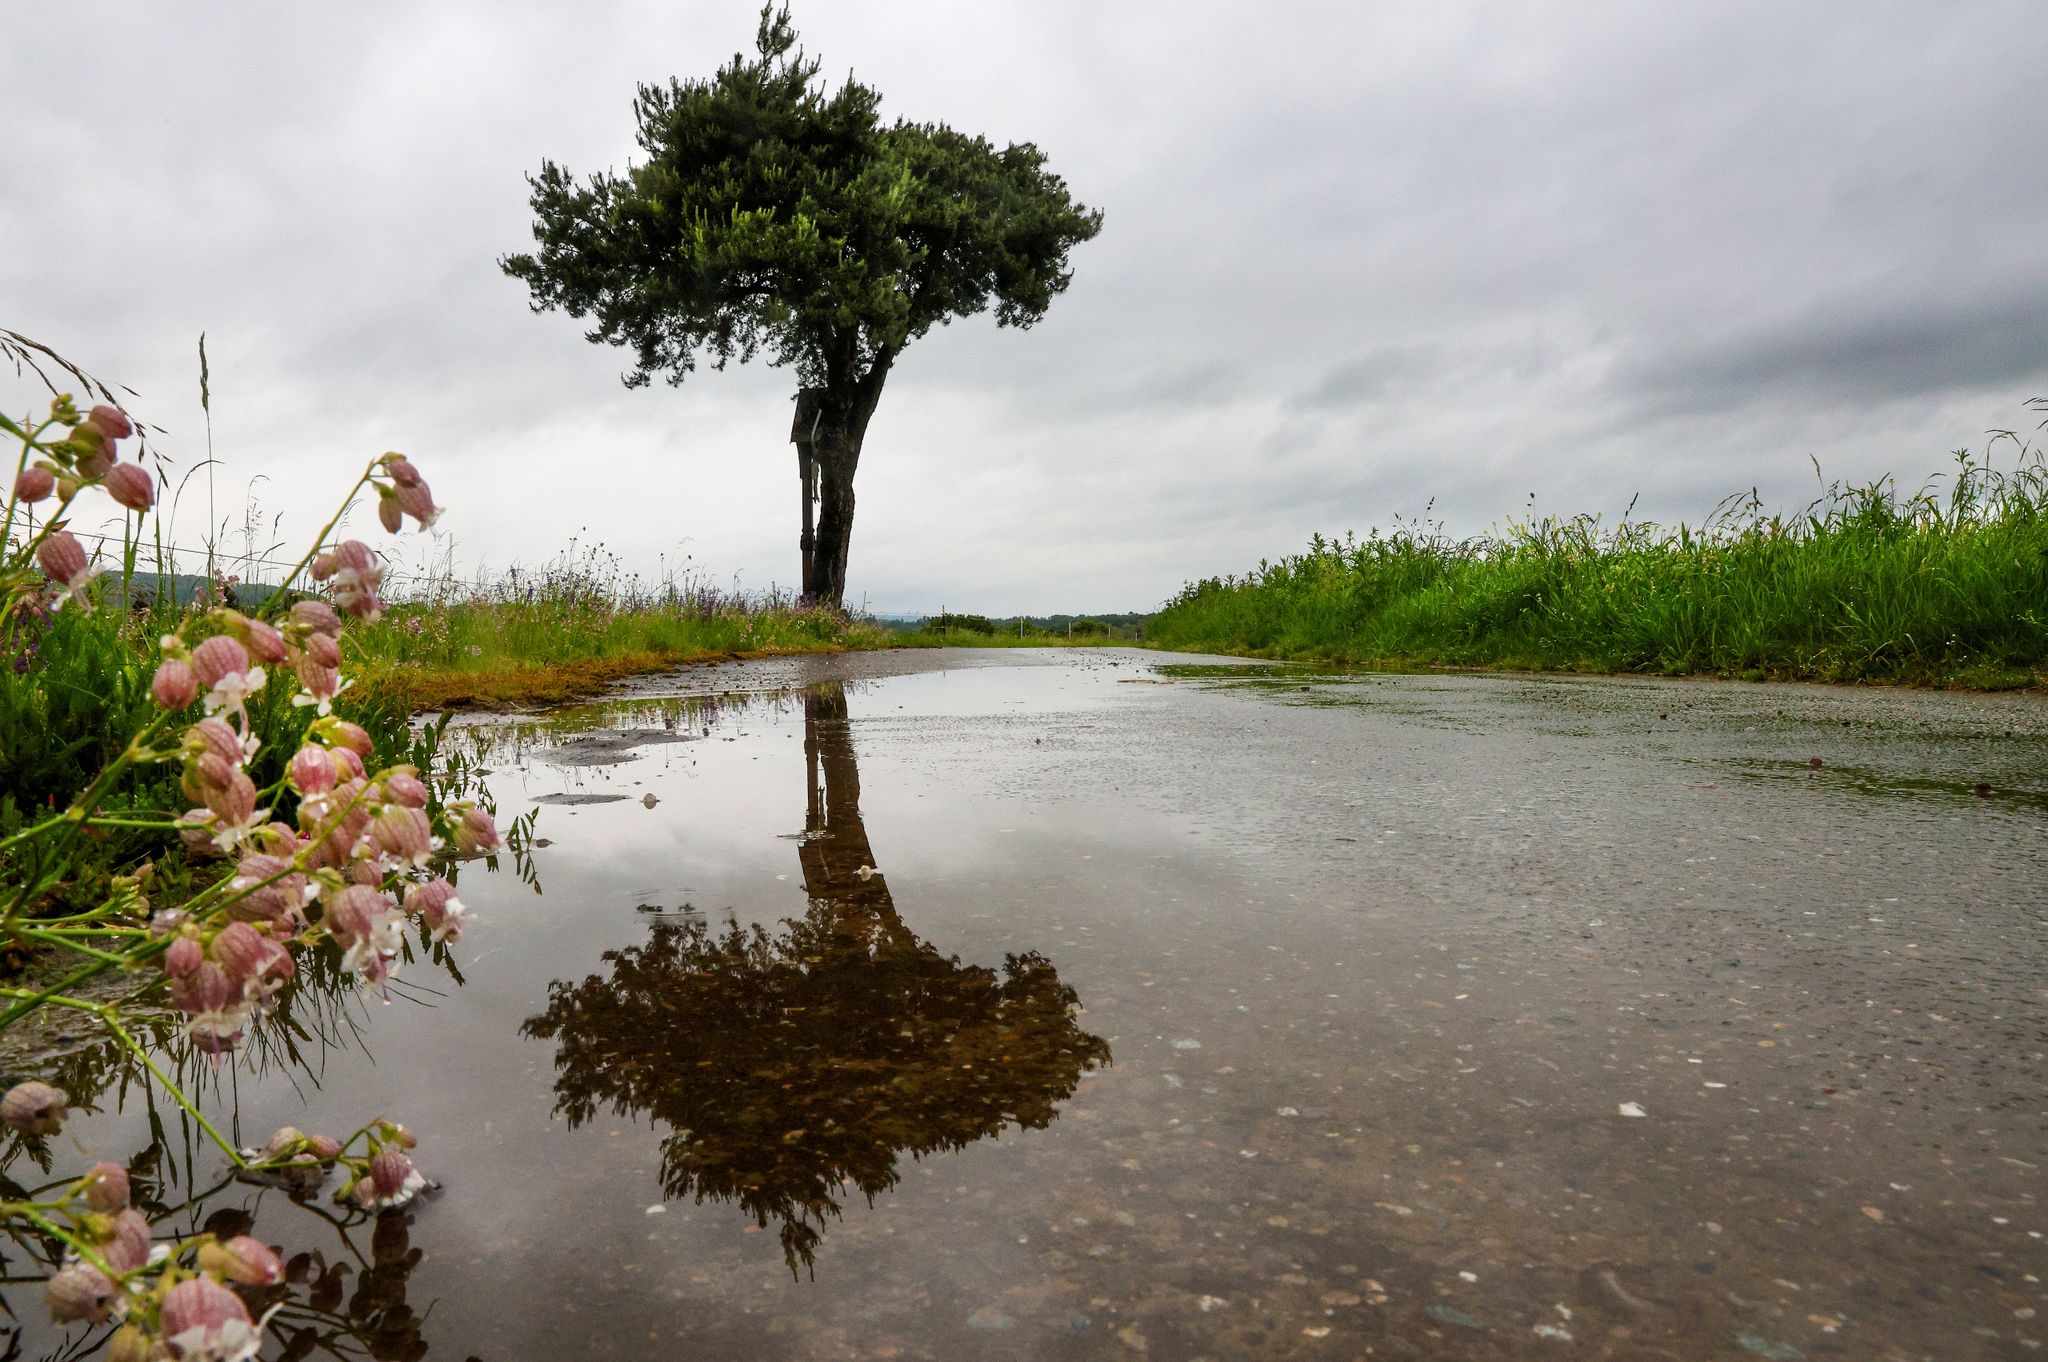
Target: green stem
x=112, y=1021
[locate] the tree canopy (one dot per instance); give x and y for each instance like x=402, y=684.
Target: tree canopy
x=771, y=214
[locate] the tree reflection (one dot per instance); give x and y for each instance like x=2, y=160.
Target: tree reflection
x=790, y=1065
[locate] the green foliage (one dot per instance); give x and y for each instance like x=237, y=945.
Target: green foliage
x=771, y=213
x=1865, y=584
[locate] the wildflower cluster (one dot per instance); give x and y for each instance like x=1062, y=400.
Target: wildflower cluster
x=337, y=848
x=85, y=454
x=199, y=1298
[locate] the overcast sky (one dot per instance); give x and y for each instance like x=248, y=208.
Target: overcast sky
x=1358, y=260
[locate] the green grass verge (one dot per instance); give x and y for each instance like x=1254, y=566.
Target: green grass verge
x=436, y=655
x=1866, y=585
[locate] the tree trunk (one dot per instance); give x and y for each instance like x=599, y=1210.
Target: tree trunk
x=845, y=408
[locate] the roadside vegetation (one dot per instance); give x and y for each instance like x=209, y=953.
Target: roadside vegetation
x=535, y=636
x=1946, y=586
x=955, y=630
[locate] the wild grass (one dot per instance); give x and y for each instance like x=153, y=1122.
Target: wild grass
x=1944, y=586
x=538, y=635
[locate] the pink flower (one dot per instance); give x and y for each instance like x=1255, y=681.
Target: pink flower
x=219, y=658
x=311, y=771
x=35, y=484
x=316, y=617
x=175, y=684
x=217, y=1012
x=342, y=733
x=111, y=422
x=393, y=1179
x=252, y=1262
x=33, y=1108
x=215, y=735
x=435, y=902
x=323, y=651
x=403, y=834
x=264, y=643
x=205, y=1322
x=338, y=835
x=106, y=1187
x=401, y=471
x=403, y=787
x=184, y=958
x=318, y=685
x=474, y=833
x=62, y=559
x=233, y=799
x=127, y=1245
x=222, y=666
x=250, y=958
x=416, y=501
x=354, y=913
x=80, y=1292
x=131, y=485
x=354, y=574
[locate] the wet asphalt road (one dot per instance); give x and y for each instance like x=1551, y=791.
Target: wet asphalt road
x=1447, y=1017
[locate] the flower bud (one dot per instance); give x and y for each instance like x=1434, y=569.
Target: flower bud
x=316, y=617
x=95, y=452
x=474, y=833
x=252, y=1262
x=353, y=913
x=388, y=513
x=204, y=1309
x=216, y=736
x=184, y=958
x=347, y=764
x=206, y=989
x=175, y=685
x=62, y=559
x=106, y=1187
x=311, y=771
x=284, y=1142
x=234, y=802
x=389, y=1172
x=403, y=833
x=33, y=1108
x=323, y=1147
x=218, y=658
x=322, y=683
x=401, y=471
x=34, y=484
x=127, y=1244
x=323, y=651
x=131, y=485
x=247, y=955
x=342, y=733
x=265, y=644
x=435, y=902
x=111, y=422
x=403, y=787
x=418, y=502
x=80, y=1292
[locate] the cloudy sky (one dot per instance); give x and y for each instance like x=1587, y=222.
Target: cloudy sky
x=1359, y=260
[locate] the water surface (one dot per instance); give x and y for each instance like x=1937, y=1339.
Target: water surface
x=1074, y=1005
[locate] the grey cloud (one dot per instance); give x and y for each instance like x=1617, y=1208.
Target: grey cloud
x=1356, y=258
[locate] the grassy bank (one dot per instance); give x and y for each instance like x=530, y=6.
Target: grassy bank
x=486, y=653
x=1947, y=586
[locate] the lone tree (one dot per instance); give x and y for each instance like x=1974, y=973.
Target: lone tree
x=774, y=215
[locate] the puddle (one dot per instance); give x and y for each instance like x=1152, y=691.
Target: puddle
x=984, y=1005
